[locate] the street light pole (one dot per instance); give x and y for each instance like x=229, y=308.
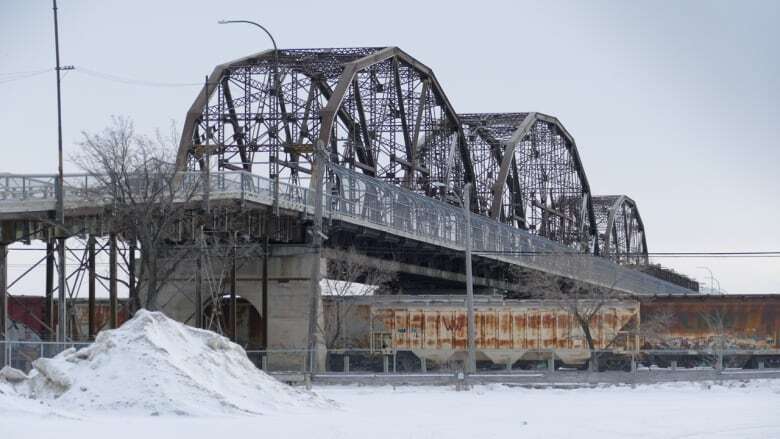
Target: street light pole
x=471, y=361
x=62, y=305
x=277, y=91
x=712, y=279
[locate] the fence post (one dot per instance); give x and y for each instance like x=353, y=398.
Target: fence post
x=264, y=362
x=674, y=365
x=4, y=301
x=346, y=363
x=385, y=361
x=761, y=364
x=423, y=365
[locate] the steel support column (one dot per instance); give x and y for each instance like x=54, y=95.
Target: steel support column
x=233, y=302
x=264, y=305
x=112, y=281
x=133, y=304
x=199, y=291
x=62, y=287
x=4, y=302
x=91, y=277
x=49, y=311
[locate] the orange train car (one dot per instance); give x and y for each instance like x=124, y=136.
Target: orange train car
x=736, y=322
x=434, y=327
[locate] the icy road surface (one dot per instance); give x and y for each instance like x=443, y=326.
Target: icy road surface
x=732, y=410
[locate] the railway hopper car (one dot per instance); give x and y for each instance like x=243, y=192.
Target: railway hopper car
x=745, y=327
x=435, y=328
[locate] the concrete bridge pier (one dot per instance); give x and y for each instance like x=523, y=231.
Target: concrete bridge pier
x=271, y=297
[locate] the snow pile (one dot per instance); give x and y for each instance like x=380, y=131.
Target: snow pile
x=155, y=365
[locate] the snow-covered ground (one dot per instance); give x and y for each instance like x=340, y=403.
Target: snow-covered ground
x=155, y=377
x=733, y=410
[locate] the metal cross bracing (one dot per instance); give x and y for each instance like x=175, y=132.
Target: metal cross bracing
x=621, y=232
x=377, y=111
x=529, y=174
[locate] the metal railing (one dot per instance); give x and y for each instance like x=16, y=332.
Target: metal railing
x=21, y=354
x=366, y=201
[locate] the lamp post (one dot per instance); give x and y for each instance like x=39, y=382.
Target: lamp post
x=471, y=358
x=277, y=90
x=713, y=280
x=61, y=296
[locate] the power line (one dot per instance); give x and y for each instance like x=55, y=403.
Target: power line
x=18, y=76
x=132, y=81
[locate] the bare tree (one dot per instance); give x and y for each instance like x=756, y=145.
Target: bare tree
x=653, y=330
x=349, y=277
x=718, y=322
x=145, y=197
x=582, y=301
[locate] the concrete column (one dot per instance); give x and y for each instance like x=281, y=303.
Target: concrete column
x=674, y=365
x=423, y=365
x=761, y=364
x=385, y=363
x=551, y=364
x=285, y=281
x=346, y=363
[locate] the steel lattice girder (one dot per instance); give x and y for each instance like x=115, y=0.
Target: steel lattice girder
x=529, y=174
x=620, y=229
x=376, y=110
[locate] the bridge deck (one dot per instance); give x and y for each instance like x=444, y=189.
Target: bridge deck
x=365, y=202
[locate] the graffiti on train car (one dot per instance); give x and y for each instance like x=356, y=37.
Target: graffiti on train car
x=506, y=331
x=708, y=321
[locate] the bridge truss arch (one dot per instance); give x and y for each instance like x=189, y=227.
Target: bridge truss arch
x=621, y=231
x=529, y=174
x=376, y=110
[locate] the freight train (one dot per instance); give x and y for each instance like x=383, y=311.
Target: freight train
x=687, y=330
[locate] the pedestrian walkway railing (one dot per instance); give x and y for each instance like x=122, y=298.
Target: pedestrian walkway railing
x=372, y=203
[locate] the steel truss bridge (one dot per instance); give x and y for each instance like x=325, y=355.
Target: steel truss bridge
x=397, y=157
x=380, y=113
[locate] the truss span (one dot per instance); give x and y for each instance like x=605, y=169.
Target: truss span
x=379, y=112
x=376, y=110
x=529, y=174
x=621, y=231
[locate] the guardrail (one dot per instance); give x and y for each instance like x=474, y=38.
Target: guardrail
x=366, y=201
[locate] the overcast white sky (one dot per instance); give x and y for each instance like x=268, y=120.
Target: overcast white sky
x=672, y=103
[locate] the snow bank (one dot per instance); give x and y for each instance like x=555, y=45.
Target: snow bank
x=154, y=365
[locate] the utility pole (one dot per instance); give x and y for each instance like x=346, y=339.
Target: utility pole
x=61, y=291
x=317, y=177
x=471, y=362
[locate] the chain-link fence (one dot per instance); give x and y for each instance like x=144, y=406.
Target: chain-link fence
x=21, y=354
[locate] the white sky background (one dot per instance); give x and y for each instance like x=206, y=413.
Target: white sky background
x=672, y=103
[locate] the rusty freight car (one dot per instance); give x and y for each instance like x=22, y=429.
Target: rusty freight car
x=434, y=328
x=746, y=325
